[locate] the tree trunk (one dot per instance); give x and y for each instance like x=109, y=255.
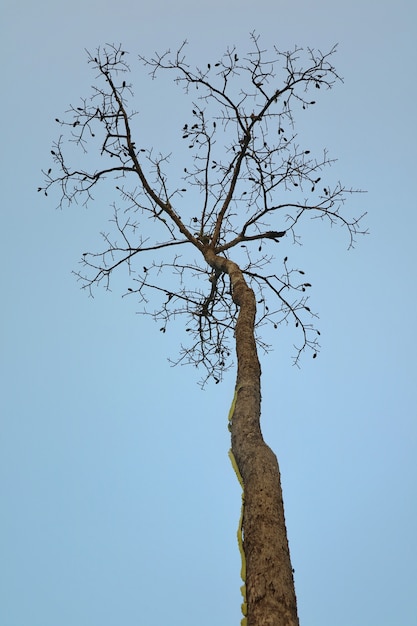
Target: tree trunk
x=270, y=592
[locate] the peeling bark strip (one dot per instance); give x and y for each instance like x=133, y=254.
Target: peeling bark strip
x=270, y=591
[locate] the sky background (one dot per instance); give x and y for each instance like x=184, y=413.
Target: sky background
x=118, y=501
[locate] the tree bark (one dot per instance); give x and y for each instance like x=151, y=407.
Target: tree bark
x=270, y=592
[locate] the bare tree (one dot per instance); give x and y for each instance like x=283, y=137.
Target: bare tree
x=208, y=254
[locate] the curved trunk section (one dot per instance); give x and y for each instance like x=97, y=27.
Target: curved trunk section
x=270, y=593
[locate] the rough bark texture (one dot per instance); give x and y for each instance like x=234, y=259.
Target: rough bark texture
x=270, y=590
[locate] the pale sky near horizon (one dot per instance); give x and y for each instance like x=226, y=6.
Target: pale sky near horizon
x=118, y=504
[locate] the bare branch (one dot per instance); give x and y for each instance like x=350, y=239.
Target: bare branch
x=251, y=180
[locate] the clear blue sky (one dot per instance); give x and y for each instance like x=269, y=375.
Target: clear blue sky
x=118, y=503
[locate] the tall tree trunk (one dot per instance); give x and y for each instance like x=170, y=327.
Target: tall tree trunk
x=270, y=592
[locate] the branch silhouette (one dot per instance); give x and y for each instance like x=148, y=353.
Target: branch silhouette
x=253, y=179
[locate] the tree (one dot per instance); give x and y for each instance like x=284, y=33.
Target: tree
x=253, y=184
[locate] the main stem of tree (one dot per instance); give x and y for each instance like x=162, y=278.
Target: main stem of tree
x=270, y=591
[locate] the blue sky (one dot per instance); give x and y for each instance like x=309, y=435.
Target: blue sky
x=118, y=502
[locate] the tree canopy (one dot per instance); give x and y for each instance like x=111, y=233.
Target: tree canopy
x=246, y=181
